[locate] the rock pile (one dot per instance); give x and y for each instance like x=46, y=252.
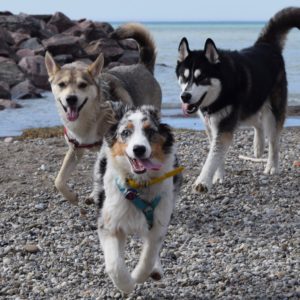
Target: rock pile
x=24, y=40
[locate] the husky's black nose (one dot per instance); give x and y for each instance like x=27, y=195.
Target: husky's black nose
x=139, y=150
x=72, y=100
x=186, y=97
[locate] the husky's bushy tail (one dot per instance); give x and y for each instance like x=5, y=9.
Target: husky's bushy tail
x=144, y=39
x=278, y=27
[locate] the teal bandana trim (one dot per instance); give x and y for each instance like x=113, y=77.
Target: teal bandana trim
x=146, y=207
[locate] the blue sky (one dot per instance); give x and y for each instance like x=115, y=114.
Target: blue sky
x=153, y=10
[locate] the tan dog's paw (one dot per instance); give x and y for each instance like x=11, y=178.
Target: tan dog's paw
x=89, y=201
x=200, y=188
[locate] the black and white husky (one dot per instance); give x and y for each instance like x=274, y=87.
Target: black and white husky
x=135, y=186
x=230, y=88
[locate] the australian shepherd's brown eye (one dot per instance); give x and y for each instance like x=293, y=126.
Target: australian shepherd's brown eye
x=62, y=85
x=82, y=85
x=125, y=133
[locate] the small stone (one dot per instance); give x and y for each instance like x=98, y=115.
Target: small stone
x=32, y=248
x=41, y=206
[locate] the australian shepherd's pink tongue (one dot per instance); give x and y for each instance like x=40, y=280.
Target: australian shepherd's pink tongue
x=72, y=114
x=140, y=165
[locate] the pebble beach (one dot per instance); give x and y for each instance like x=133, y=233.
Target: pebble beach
x=239, y=241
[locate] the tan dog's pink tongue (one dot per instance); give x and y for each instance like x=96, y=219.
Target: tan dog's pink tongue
x=72, y=114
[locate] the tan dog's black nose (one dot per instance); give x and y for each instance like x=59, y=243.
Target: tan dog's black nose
x=72, y=100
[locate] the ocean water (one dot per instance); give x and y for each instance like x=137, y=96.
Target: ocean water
x=234, y=36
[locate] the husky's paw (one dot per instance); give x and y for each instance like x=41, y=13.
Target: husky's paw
x=200, y=187
x=271, y=170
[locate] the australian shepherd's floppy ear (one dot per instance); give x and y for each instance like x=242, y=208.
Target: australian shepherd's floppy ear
x=137, y=179
x=81, y=92
x=230, y=88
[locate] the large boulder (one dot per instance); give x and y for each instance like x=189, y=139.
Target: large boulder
x=24, y=53
x=63, y=43
x=32, y=44
x=6, y=36
x=25, y=90
x=25, y=24
x=10, y=72
x=7, y=103
x=109, y=48
x=61, y=22
x=4, y=90
x=35, y=69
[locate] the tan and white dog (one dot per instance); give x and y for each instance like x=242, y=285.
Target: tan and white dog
x=81, y=92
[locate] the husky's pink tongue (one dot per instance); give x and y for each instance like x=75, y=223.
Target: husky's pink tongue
x=72, y=114
x=184, y=107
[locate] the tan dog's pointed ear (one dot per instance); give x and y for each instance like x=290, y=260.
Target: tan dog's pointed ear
x=51, y=65
x=96, y=67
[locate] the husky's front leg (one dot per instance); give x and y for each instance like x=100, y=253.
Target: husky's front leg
x=215, y=160
x=149, y=262
x=71, y=159
x=113, y=247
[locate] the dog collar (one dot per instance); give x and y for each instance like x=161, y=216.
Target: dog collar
x=147, y=208
x=136, y=185
x=77, y=144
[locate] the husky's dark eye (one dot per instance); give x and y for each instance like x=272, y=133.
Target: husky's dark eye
x=62, y=85
x=82, y=85
x=205, y=81
x=125, y=133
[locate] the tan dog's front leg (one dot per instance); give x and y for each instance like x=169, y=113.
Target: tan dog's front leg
x=71, y=159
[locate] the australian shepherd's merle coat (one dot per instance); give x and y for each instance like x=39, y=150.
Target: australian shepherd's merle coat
x=137, y=147
x=230, y=88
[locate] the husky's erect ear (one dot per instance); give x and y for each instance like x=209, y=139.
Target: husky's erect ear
x=96, y=67
x=51, y=66
x=211, y=52
x=183, y=50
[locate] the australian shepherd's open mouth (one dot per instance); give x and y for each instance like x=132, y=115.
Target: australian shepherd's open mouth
x=192, y=108
x=140, y=166
x=73, y=111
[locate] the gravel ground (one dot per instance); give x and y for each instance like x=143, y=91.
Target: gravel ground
x=240, y=241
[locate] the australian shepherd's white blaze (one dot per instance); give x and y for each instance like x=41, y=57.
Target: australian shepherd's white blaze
x=138, y=149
